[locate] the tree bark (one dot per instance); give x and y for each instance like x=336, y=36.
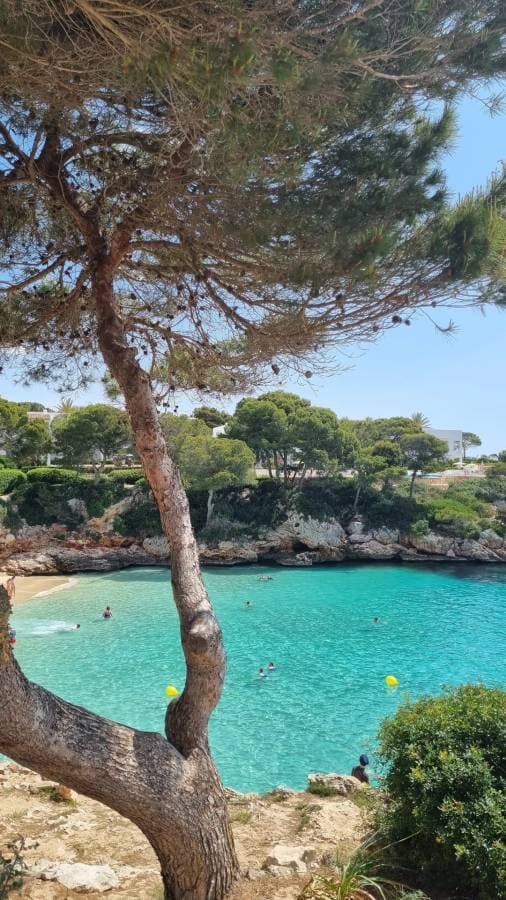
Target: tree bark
x=412, y=485
x=169, y=787
x=357, y=497
x=210, y=506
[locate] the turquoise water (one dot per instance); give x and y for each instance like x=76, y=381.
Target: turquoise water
x=323, y=705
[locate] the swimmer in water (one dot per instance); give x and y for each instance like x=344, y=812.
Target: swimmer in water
x=248, y=605
x=77, y=627
x=265, y=578
x=261, y=673
x=107, y=613
x=271, y=667
x=375, y=621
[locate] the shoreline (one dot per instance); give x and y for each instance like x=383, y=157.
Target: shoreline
x=30, y=587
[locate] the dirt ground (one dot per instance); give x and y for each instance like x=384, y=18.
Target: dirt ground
x=83, y=831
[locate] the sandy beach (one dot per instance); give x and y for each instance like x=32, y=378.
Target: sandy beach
x=30, y=586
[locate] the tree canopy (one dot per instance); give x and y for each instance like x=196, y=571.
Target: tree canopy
x=423, y=452
x=98, y=427
x=266, y=190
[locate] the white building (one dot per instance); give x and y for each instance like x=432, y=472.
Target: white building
x=219, y=429
x=453, y=437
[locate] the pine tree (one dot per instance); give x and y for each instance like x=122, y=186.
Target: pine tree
x=202, y=195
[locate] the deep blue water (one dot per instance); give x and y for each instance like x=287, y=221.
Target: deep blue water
x=323, y=704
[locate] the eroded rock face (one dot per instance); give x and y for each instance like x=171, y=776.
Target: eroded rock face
x=431, y=543
x=284, y=859
x=311, y=532
x=341, y=784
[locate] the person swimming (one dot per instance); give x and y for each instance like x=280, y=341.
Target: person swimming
x=271, y=667
x=248, y=605
x=107, y=613
x=261, y=673
x=265, y=578
x=376, y=621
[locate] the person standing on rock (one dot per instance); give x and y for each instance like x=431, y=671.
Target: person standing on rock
x=359, y=771
x=10, y=587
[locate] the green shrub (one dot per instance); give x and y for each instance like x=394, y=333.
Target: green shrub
x=127, y=476
x=141, y=520
x=56, y=475
x=446, y=781
x=10, y=479
x=420, y=527
x=325, y=498
x=46, y=503
x=322, y=790
x=452, y=517
x=263, y=505
x=393, y=510
x=8, y=462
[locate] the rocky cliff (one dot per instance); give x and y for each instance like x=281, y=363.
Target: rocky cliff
x=297, y=541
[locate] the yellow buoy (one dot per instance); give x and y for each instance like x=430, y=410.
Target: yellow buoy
x=391, y=680
x=171, y=691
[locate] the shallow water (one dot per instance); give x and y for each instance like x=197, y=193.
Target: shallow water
x=323, y=705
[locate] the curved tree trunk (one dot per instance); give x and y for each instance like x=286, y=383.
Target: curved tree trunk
x=168, y=786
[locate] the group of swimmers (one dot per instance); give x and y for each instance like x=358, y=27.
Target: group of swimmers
x=270, y=668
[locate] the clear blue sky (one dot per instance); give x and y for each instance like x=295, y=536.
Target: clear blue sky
x=457, y=383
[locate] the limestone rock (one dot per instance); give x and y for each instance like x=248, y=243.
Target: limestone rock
x=386, y=535
x=342, y=784
x=313, y=533
x=356, y=525
x=293, y=858
x=372, y=549
x=491, y=539
x=434, y=544
x=78, y=507
x=157, y=546
x=79, y=877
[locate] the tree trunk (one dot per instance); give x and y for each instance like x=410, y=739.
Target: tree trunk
x=357, y=497
x=177, y=802
x=210, y=506
x=187, y=717
x=412, y=485
x=168, y=787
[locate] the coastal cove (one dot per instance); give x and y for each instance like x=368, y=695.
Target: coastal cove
x=439, y=626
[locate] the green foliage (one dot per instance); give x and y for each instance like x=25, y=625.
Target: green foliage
x=263, y=505
x=95, y=428
x=211, y=416
x=422, y=452
x=420, y=527
x=446, y=781
x=126, y=476
x=10, y=479
x=469, y=439
x=45, y=501
x=452, y=517
x=392, y=510
x=324, y=498
x=322, y=790
x=223, y=530
x=56, y=475
x=7, y=462
x=32, y=442
x=141, y=520
x=290, y=436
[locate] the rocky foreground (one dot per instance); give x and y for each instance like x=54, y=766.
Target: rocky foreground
x=298, y=541
x=75, y=847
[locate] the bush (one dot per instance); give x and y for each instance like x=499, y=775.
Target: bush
x=323, y=499
x=8, y=462
x=49, y=475
x=126, y=476
x=446, y=780
x=46, y=503
x=393, y=510
x=420, y=528
x=452, y=517
x=141, y=520
x=10, y=479
x=12, y=870
x=222, y=530
x=263, y=505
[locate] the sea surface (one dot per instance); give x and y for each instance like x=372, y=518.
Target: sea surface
x=323, y=704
